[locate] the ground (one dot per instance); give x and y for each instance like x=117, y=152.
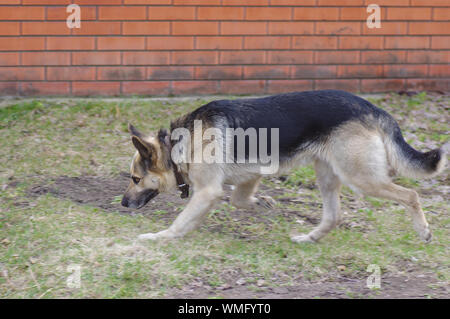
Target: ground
x=65, y=166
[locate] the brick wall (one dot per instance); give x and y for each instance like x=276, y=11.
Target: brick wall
x=159, y=47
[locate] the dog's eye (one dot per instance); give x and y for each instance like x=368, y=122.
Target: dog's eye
x=135, y=179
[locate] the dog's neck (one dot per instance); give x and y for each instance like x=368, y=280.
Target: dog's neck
x=182, y=185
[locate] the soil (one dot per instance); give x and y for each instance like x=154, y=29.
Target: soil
x=105, y=193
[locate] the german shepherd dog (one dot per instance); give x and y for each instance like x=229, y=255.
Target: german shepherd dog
x=349, y=140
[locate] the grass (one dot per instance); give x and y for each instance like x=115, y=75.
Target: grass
x=41, y=237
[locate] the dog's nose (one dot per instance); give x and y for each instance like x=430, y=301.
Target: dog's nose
x=124, y=202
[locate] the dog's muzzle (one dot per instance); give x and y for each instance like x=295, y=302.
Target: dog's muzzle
x=141, y=200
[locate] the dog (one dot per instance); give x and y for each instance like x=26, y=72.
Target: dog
x=349, y=140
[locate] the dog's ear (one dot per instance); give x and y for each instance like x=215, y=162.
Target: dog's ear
x=134, y=131
x=164, y=137
x=144, y=148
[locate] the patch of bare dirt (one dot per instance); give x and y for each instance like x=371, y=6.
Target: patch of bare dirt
x=391, y=287
x=105, y=193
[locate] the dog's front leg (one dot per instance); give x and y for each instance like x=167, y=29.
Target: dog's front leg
x=190, y=218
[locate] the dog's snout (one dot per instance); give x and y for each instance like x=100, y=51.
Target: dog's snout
x=125, y=202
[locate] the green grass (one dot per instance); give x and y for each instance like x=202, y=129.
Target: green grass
x=41, y=237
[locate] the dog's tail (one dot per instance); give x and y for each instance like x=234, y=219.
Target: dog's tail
x=409, y=162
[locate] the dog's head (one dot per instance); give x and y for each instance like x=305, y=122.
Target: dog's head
x=151, y=168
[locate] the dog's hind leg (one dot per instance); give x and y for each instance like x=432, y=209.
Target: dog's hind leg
x=408, y=198
x=329, y=186
x=242, y=196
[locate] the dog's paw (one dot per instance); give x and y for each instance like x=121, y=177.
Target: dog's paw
x=302, y=239
x=149, y=236
x=266, y=202
x=426, y=235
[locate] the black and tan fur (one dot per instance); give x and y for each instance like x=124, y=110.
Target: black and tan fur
x=349, y=140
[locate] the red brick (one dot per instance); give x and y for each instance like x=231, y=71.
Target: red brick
x=218, y=72
x=442, y=71
x=95, y=88
x=382, y=85
x=405, y=71
x=313, y=71
x=45, y=28
x=102, y=2
x=387, y=28
x=45, y=88
x=242, y=57
x=22, y=13
x=9, y=58
x=121, y=43
x=145, y=58
x=121, y=13
x=195, y=28
x=114, y=73
x=22, y=73
x=243, y=28
x=98, y=28
x=60, y=13
x=170, y=43
x=171, y=13
x=316, y=14
x=429, y=57
x=196, y=2
x=427, y=3
x=428, y=28
x=195, y=87
x=290, y=27
x=266, y=72
x=45, y=58
x=387, y=3
x=440, y=42
x=146, y=1
x=381, y=57
x=441, y=14
x=219, y=43
x=9, y=28
x=409, y=14
x=283, y=86
x=70, y=43
x=220, y=13
x=146, y=88
x=315, y=43
x=337, y=57
x=146, y=28
x=295, y=2
x=242, y=87
x=245, y=2
x=9, y=88
x=10, y=1
x=20, y=43
x=290, y=57
x=334, y=28
x=269, y=42
x=349, y=85
x=340, y=2
x=360, y=71
x=268, y=13
x=70, y=73
x=407, y=43
x=440, y=85
x=361, y=42
x=95, y=58
x=194, y=57
x=170, y=73
x=358, y=13
x=50, y=2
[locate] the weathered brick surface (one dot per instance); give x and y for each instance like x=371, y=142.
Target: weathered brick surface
x=161, y=47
